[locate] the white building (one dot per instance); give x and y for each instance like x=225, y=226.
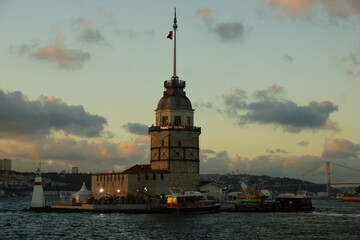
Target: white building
x=5, y=164
x=74, y=170
x=214, y=191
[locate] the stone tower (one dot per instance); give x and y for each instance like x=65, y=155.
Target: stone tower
x=174, y=138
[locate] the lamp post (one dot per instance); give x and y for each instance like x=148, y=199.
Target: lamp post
x=118, y=192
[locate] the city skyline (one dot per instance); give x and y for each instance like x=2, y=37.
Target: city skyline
x=274, y=83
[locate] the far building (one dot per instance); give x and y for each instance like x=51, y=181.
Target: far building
x=5, y=164
x=174, y=151
x=74, y=170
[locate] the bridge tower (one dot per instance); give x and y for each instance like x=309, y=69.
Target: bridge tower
x=328, y=178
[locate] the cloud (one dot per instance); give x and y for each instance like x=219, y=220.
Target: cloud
x=306, y=167
x=288, y=58
x=303, y=143
x=103, y=12
x=200, y=104
x=22, y=118
x=278, y=150
x=309, y=9
x=270, y=107
x=231, y=31
x=57, y=53
x=352, y=62
x=214, y=162
x=235, y=101
x=271, y=165
x=88, y=33
x=89, y=155
x=136, y=128
x=205, y=14
x=340, y=148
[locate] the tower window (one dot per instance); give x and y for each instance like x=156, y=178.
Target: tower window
x=165, y=121
x=162, y=176
x=188, y=121
x=177, y=121
x=162, y=143
x=179, y=143
x=154, y=176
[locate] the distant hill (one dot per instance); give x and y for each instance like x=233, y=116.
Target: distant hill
x=21, y=183
x=275, y=184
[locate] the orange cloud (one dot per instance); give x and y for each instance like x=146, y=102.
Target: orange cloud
x=103, y=12
x=58, y=54
x=96, y=155
x=340, y=148
x=205, y=13
x=335, y=9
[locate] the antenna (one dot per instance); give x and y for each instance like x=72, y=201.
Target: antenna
x=175, y=26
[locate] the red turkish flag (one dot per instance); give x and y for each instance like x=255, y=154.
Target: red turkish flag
x=170, y=35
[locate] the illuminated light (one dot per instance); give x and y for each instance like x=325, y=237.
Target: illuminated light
x=101, y=190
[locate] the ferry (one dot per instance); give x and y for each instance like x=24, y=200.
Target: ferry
x=254, y=200
x=351, y=197
x=294, y=202
x=180, y=201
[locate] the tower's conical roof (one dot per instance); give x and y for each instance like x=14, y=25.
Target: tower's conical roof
x=174, y=96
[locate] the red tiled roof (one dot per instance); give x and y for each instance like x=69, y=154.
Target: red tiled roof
x=144, y=168
x=136, y=169
x=105, y=173
x=141, y=169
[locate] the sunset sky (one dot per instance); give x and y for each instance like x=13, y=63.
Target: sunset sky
x=275, y=84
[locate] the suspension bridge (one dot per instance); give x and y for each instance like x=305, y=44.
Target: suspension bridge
x=328, y=183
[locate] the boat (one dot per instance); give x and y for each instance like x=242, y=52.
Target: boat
x=339, y=196
x=355, y=197
x=294, y=202
x=180, y=201
x=255, y=200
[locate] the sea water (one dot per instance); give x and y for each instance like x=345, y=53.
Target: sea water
x=332, y=219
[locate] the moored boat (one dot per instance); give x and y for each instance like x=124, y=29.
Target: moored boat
x=189, y=202
x=294, y=202
x=255, y=200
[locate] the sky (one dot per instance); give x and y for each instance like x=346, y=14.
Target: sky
x=274, y=83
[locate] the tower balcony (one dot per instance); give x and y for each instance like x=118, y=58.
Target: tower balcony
x=174, y=83
x=174, y=128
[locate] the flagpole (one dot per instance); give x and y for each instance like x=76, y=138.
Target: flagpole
x=174, y=30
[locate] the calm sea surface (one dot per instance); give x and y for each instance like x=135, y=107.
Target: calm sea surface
x=332, y=219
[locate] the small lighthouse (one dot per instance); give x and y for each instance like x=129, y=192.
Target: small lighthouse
x=38, y=200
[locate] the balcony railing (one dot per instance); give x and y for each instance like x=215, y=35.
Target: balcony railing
x=174, y=128
x=174, y=83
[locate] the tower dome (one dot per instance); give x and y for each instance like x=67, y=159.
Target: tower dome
x=174, y=96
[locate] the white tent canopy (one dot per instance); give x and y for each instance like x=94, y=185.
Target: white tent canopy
x=82, y=195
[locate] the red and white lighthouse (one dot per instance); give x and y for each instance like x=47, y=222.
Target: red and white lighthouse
x=38, y=199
